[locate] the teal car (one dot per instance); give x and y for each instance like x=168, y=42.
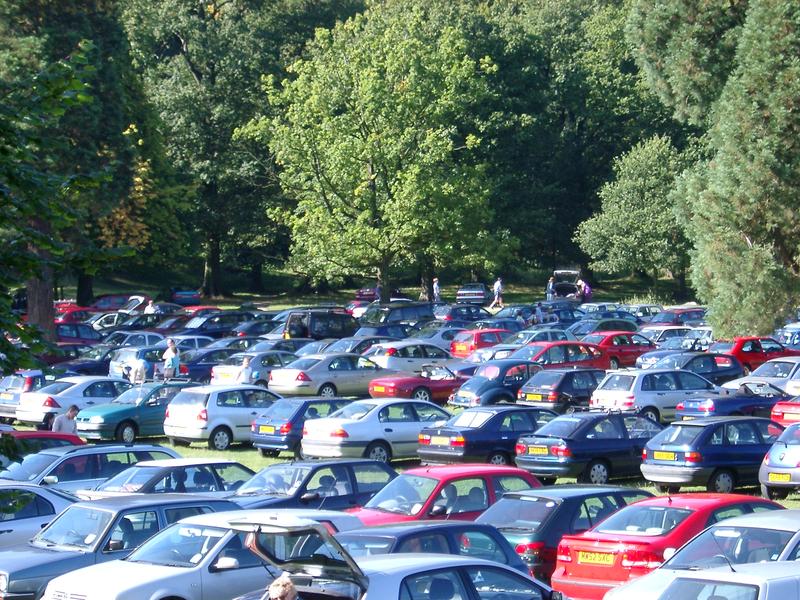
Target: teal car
x=135, y=413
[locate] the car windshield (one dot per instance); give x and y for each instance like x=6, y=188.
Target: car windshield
x=282, y=410
x=488, y=372
x=364, y=545
x=673, y=343
x=343, y=345
x=617, y=382
x=30, y=468
x=354, y=411
x=641, y=520
x=698, y=334
x=791, y=435
x=663, y=317
x=133, y=395
x=180, y=545
x=312, y=348
x=720, y=544
x=375, y=315
x=404, y=495
x=195, y=322
x=676, y=435
x=582, y=328
x=527, y=352
x=673, y=361
x=779, y=369
x=522, y=513
x=544, y=379
x=303, y=364
x=189, y=398
x=560, y=427
x=275, y=480
x=723, y=347
x=471, y=419
x=130, y=480
x=77, y=527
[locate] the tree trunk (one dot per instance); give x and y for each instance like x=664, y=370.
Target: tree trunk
x=212, y=277
x=426, y=278
x=256, y=278
x=85, y=295
x=40, y=303
x=383, y=282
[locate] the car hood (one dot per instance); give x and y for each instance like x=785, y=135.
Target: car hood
x=25, y=560
x=87, y=582
x=370, y=516
x=776, y=381
x=106, y=410
x=260, y=501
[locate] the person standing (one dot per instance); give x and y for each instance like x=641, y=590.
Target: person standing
x=497, y=288
x=539, y=313
x=245, y=373
x=150, y=309
x=437, y=294
x=172, y=360
x=580, y=294
x=550, y=290
x=65, y=423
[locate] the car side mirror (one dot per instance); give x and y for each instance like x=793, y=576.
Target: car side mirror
x=438, y=510
x=309, y=496
x=50, y=480
x=152, y=402
x=225, y=563
x=115, y=545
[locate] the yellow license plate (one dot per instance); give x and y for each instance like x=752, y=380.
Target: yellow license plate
x=461, y=347
x=538, y=450
x=785, y=477
x=379, y=388
x=688, y=418
x=6, y=396
x=266, y=429
x=533, y=396
x=658, y=455
x=440, y=440
x=595, y=558
x=791, y=416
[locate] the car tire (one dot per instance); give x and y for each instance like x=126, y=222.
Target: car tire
x=327, y=390
x=220, y=439
x=267, y=453
x=422, y=393
x=498, y=458
x=721, y=481
x=378, y=451
x=668, y=489
x=126, y=432
x=48, y=421
x=651, y=412
x=177, y=442
x=613, y=363
x=774, y=493
x=597, y=472
x=298, y=452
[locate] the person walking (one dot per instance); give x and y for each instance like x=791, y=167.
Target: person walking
x=550, y=290
x=437, y=294
x=172, y=360
x=245, y=373
x=539, y=314
x=497, y=288
x=65, y=423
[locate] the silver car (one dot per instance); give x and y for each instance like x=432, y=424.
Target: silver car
x=437, y=334
x=25, y=508
x=783, y=373
x=327, y=375
x=654, y=393
x=408, y=355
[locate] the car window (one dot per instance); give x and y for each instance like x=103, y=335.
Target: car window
x=702, y=365
x=508, y=483
x=639, y=427
x=631, y=497
x=664, y=382
x=491, y=583
x=100, y=389
x=370, y=478
x=690, y=381
x=480, y=545
x=555, y=355
x=131, y=530
x=232, y=476
x=341, y=363
x=726, y=513
x=471, y=496
x=605, y=429
x=21, y=504
x=516, y=375
x=397, y=413
x=593, y=510
x=741, y=434
x=426, y=542
x=751, y=346
x=113, y=463
x=640, y=340
x=434, y=585
x=717, y=436
x=434, y=352
x=429, y=413
x=769, y=431
x=176, y=514
x=76, y=468
x=582, y=381
x=365, y=363
x=257, y=398
x=515, y=421
x=330, y=481
x=771, y=346
x=229, y=399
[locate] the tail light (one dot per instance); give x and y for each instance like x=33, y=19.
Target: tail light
x=390, y=351
x=692, y=457
x=213, y=372
x=50, y=402
x=643, y=559
x=202, y=415
x=644, y=453
x=766, y=458
x=183, y=369
x=562, y=554
x=628, y=400
x=530, y=551
x=339, y=433
x=707, y=405
x=520, y=394
x=252, y=425
x=301, y=376
x=552, y=397
x=520, y=448
x=241, y=334
x=680, y=406
x=305, y=431
x=476, y=401
x=424, y=439
x=285, y=429
x=457, y=441
x=28, y=385
x=560, y=451
x=270, y=376
x=448, y=317
x=776, y=414
x=166, y=414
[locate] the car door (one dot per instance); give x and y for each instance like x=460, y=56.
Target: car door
x=99, y=392
x=254, y=402
x=400, y=428
x=579, y=385
x=230, y=583
x=434, y=355
x=747, y=450
x=364, y=371
x=22, y=514
x=751, y=354
x=340, y=373
x=152, y=411
x=515, y=378
x=692, y=385
x=608, y=438
x=771, y=349
x=639, y=431
x=328, y=487
x=667, y=393
x=74, y=473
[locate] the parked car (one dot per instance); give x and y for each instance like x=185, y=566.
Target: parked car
x=439, y=333
x=77, y=314
x=94, y=361
x=326, y=375
x=753, y=351
x=109, y=302
x=196, y=365
x=459, y=492
x=559, y=355
x=678, y=316
x=751, y=399
x=125, y=359
x=786, y=412
x=27, y=508
x=356, y=345
x=186, y=342
x=779, y=473
x=315, y=347
x=434, y=383
x=320, y=323
x=71, y=468
x=29, y=442
x=171, y=323
x=399, y=331
x=643, y=311
x=783, y=373
x=330, y=484
x=717, y=368
x=240, y=343
x=251, y=328
x=487, y=434
x=106, y=320
x=407, y=355
x=721, y=453
x=460, y=312
x=588, y=325
x=560, y=390
x=136, y=412
x=77, y=333
x=469, y=340
x=395, y=313
x=534, y=521
x=632, y=541
x=132, y=338
x=218, y=414
x=593, y=447
x=622, y=347
x=380, y=429
x=526, y=336
x=658, y=334
x=14, y=385
x=473, y=293
x=494, y=382
x=43, y=405
x=291, y=345
x=86, y=533
x=137, y=322
x=261, y=363
x=280, y=426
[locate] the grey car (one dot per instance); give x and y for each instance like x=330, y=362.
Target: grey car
x=327, y=375
x=88, y=533
x=26, y=508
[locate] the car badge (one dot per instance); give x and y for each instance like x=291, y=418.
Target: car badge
x=781, y=457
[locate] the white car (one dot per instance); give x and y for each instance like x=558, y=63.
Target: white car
x=220, y=414
x=660, y=333
x=261, y=365
x=43, y=405
x=327, y=375
x=25, y=508
x=436, y=333
x=783, y=373
x=133, y=338
x=408, y=355
x=378, y=428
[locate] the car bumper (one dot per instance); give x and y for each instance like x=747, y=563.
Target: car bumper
x=580, y=589
x=334, y=450
x=793, y=474
x=445, y=457
x=274, y=442
x=551, y=469
x=8, y=411
x=186, y=433
x=676, y=474
x=301, y=389
x=33, y=416
x=96, y=431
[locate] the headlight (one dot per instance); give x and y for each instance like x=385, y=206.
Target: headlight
x=3, y=583
x=97, y=419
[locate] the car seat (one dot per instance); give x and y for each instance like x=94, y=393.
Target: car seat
x=441, y=589
x=126, y=528
x=203, y=482
x=179, y=477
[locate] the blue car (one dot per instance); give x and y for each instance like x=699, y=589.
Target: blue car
x=494, y=381
x=91, y=362
x=754, y=399
x=593, y=447
x=482, y=434
x=280, y=426
x=321, y=484
x=196, y=365
x=721, y=453
x=779, y=473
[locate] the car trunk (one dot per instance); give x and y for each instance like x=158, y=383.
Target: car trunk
x=607, y=559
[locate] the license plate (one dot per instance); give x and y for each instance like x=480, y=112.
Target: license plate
x=440, y=440
x=461, y=347
x=658, y=455
x=6, y=396
x=533, y=396
x=266, y=429
x=379, y=388
x=538, y=450
x=785, y=477
x=786, y=416
x=685, y=418
x=595, y=558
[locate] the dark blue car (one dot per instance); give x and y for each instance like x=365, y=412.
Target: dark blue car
x=321, y=484
x=754, y=399
x=216, y=325
x=92, y=362
x=721, y=453
x=717, y=368
x=197, y=364
x=495, y=381
x=280, y=427
x=593, y=447
x=483, y=434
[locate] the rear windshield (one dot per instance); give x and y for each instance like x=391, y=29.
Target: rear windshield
x=677, y=435
x=720, y=544
x=281, y=410
x=12, y=382
x=188, y=398
x=375, y=315
x=488, y=371
x=644, y=520
x=441, y=311
x=57, y=387
x=464, y=336
x=302, y=364
x=722, y=347
x=354, y=410
x=544, y=379
x=616, y=382
x=663, y=317
x=526, y=512
x=471, y=419
x=778, y=369
x=791, y=435
x=593, y=338
x=364, y=545
x=195, y=322
x=560, y=427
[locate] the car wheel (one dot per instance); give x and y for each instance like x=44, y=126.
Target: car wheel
x=378, y=451
x=177, y=442
x=614, y=363
x=498, y=458
x=651, y=412
x=328, y=390
x=597, y=472
x=422, y=394
x=774, y=493
x=668, y=489
x=267, y=453
x=721, y=482
x=220, y=439
x=298, y=452
x=48, y=421
x=126, y=432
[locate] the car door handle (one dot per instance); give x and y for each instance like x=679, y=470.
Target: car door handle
x=254, y=412
x=389, y=430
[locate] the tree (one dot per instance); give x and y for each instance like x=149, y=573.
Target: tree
x=636, y=228
x=375, y=135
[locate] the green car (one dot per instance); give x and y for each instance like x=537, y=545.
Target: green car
x=135, y=413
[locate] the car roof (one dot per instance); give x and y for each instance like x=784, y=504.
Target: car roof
x=565, y=371
x=498, y=408
x=569, y=491
x=100, y=449
x=324, y=462
x=505, y=362
x=411, y=562
x=88, y=378
x=403, y=343
x=706, y=421
x=697, y=500
x=786, y=519
x=184, y=462
x=405, y=527
x=140, y=500
x=794, y=359
x=333, y=355
x=465, y=469
x=489, y=330
x=752, y=573
x=210, y=389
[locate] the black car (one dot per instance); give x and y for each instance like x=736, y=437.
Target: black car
x=494, y=381
x=483, y=434
x=320, y=323
x=91, y=362
x=280, y=426
x=717, y=368
x=534, y=521
x=321, y=484
x=561, y=390
x=409, y=313
x=253, y=328
x=460, y=312
x=591, y=446
x=437, y=537
x=216, y=325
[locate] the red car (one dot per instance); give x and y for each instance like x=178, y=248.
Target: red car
x=434, y=383
x=109, y=302
x=200, y=310
x=28, y=442
x=73, y=314
x=753, y=351
x=558, y=355
x=460, y=492
x=631, y=541
x=622, y=347
x=469, y=340
x=786, y=412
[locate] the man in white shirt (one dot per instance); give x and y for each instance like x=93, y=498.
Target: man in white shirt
x=65, y=423
x=245, y=372
x=150, y=308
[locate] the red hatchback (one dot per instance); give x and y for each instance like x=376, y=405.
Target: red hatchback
x=622, y=347
x=469, y=340
x=631, y=542
x=460, y=492
x=753, y=351
x=558, y=355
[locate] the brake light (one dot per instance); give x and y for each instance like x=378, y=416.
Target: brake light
x=680, y=406
x=520, y=448
x=300, y=377
x=520, y=394
x=707, y=405
x=424, y=439
x=644, y=453
x=560, y=451
x=241, y=334
x=183, y=369
x=390, y=351
x=476, y=401
x=305, y=431
x=766, y=458
x=448, y=318
x=252, y=425
x=692, y=457
x=643, y=559
x=285, y=429
x=50, y=402
x=28, y=385
x=270, y=376
x=213, y=372
x=552, y=397
x=340, y=433
x=777, y=414
x=202, y=415
x=529, y=551
x=457, y=441
x=628, y=400
x=562, y=554
x=166, y=413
